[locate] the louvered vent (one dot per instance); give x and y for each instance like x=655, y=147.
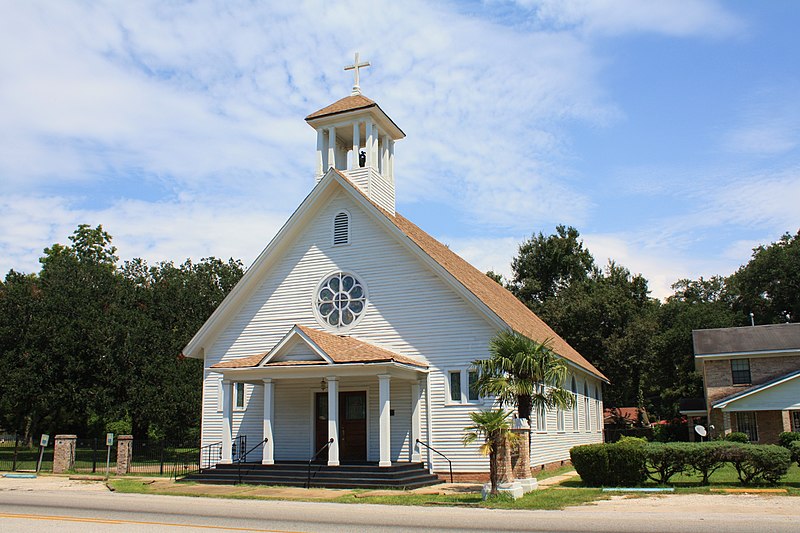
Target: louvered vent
x=341, y=228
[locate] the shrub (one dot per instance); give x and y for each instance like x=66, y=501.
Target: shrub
x=626, y=463
x=794, y=449
x=591, y=463
x=705, y=458
x=756, y=463
x=786, y=438
x=664, y=460
x=737, y=436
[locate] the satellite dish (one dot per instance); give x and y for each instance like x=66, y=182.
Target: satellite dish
x=700, y=430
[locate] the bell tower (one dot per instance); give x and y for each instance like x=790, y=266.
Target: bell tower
x=355, y=136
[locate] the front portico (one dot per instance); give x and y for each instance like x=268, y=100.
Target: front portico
x=315, y=388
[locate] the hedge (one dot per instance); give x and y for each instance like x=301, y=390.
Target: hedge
x=630, y=462
x=786, y=438
x=794, y=449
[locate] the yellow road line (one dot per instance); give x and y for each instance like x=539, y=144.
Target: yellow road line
x=135, y=522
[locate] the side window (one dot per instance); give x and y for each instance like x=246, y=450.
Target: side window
x=574, y=405
x=740, y=371
x=462, y=386
x=472, y=392
x=455, y=386
x=238, y=395
x=341, y=228
x=586, y=413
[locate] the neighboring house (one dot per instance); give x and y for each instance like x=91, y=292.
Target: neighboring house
x=357, y=326
x=751, y=379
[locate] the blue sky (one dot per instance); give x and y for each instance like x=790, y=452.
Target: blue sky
x=668, y=133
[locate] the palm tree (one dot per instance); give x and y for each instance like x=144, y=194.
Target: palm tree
x=523, y=373
x=495, y=430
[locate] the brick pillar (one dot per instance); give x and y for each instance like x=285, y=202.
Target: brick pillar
x=520, y=456
x=505, y=473
x=124, y=454
x=64, y=453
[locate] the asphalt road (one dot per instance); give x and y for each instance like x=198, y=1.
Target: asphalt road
x=86, y=512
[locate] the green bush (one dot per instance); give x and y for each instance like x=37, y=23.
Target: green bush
x=758, y=463
x=786, y=438
x=705, y=458
x=794, y=449
x=737, y=436
x=664, y=460
x=626, y=463
x=591, y=463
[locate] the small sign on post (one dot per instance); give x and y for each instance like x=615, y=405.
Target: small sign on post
x=43, y=442
x=109, y=444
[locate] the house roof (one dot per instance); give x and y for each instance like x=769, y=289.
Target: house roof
x=497, y=298
x=724, y=402
x=340, y=349
x=764, y=338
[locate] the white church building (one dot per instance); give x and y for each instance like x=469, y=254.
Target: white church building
x=354, y=329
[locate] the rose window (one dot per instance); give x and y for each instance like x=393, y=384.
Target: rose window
x=340, y=300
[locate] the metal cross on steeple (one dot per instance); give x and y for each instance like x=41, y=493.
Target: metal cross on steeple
x=355, y=66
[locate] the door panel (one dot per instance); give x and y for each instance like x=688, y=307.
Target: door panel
x=352, y=425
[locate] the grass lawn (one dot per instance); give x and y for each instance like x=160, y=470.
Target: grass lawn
x=541, y=499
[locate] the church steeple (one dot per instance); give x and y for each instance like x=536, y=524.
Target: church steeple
x=355, y=136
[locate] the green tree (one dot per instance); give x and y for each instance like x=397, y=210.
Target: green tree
x=769, y=285
x=493, y=427
x=523, y=373
x=546, y=265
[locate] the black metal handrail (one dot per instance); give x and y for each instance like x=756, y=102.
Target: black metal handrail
x=440, y=453
x=314, y=458
x=205, y=453
x=239, y=460
x=239, y=443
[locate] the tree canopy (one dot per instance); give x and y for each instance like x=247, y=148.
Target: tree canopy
x=88, y=344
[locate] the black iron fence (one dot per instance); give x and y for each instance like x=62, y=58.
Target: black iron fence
x=91, y=455
x=164, y=458
x=16, y=456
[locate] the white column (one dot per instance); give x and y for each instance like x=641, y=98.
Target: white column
x=331, y=148
x=375, y=154
x=370, y=138
x=267, y=456
x=320, y=153
x=390, y=175
x=227, y=441
x=415, y=421
x=333, y=420
x=385, y=155
x=385, y=429
x=726, y=423
x=356, y=143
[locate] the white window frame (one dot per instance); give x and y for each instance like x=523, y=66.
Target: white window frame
x=587, y=415
x=464, y=373
x=575, y=414
x=235, y=397
x=559, y=420
x=598, y=409
x=333, y=228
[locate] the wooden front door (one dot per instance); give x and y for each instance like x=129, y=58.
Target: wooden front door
x=352, y=425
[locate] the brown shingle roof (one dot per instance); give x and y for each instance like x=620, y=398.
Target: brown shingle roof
x=496, y=297
x=340, y=349
x=351, y=350
x=242, y=362
x=349, y=103
x=762, y=338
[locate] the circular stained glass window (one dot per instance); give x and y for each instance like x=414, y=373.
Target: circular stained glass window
x=340, y=300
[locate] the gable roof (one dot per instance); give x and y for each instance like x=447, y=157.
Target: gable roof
x=494, y=297
x=348, y=103
x=497, y=298
x=764, y=338
x=724, y=402
x=339, y=349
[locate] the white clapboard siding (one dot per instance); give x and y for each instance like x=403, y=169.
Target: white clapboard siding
x=410, y=310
